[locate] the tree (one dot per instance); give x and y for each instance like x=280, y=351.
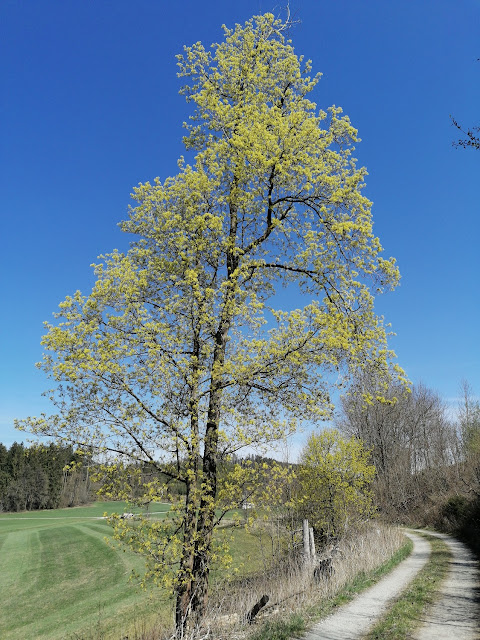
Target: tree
x=469, y=420
x=471, y=139
x=31, y=478
x=411, y=440
x=335, y=475
x=4, y=476
x=469, y=427
x=181, y=356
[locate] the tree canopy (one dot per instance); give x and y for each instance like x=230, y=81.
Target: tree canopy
x=335, y=475
x=182, y=352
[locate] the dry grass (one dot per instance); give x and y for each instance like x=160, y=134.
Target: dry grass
x=292, y=589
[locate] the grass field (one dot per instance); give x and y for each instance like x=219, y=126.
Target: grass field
x=60, y=579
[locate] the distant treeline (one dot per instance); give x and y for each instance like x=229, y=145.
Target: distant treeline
x=41, y=477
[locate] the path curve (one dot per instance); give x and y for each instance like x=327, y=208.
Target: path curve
x=456, y=614
x=353, y=620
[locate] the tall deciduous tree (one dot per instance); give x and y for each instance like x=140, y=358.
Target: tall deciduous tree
x=412, y=442
x=469, y=419
x=182, y=348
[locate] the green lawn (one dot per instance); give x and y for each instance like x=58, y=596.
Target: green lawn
x=60, y=579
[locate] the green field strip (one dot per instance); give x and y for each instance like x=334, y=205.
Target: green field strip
x=56, y=575
x=19, y=554
x=61, y=580
x=95, y=510
x=3, y=538
x=83, y=611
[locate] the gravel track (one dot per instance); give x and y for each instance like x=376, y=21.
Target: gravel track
x=353, y=620
x=454, y=616
x=456, y=613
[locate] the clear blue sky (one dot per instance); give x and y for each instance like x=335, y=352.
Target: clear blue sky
x=90, y=107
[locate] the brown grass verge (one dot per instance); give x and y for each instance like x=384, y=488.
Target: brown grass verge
x=291, y=588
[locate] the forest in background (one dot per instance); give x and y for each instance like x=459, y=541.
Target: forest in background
x=42, y=477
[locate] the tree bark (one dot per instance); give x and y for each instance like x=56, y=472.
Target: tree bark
x=185, y=581
x=198, y=586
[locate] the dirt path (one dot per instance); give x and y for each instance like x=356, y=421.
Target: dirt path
x=353, y=620
x=456, y=614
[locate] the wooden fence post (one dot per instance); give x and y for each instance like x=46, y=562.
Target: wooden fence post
x=312, y=544
x=306, y=541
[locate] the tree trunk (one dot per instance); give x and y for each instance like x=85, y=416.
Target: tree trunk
x=206, y=518
x=206, y=515
x=194, y=600
x=185, y=578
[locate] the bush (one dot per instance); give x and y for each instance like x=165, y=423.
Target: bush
x=461, y=516
x=453, y=512
x=469, y=529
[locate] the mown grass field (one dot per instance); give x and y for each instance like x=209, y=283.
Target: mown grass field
x=60, y=579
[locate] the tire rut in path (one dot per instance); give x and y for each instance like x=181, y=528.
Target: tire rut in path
x=353, y=620
x=456, y=613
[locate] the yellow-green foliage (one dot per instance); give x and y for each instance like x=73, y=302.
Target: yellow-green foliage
x=334, y=482
x=180, y=355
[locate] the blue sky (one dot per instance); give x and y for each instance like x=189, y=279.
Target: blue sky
x=90, y=108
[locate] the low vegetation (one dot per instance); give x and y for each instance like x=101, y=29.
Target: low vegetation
x=460, y=516
x=286, y=628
